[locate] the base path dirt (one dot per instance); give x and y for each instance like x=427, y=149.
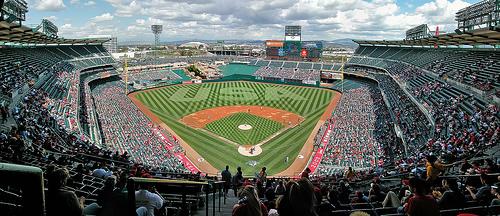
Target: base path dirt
x=300, y=163
x=201, y=118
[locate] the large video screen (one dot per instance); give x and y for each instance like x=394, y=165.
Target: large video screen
x=292, y=48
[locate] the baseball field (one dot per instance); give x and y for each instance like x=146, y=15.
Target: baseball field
x=245, y=124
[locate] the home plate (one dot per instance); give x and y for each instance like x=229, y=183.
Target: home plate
x=249, y=150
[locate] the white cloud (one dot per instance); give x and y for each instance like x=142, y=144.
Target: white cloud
x=49, y=5
x=257, y=19
x=441, y=12
x=51, y=18
x=103, y=17
x=89, y=3
x=74, y=1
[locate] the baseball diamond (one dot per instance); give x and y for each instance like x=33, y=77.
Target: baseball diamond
x=228, y=127
x=282, y=118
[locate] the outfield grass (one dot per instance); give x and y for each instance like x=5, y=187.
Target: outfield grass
x=227, y=127
x=173, y=102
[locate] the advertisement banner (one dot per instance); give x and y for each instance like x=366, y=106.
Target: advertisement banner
x=303, y=53
x=274, y=43
x=318, y=156
x=281, y=52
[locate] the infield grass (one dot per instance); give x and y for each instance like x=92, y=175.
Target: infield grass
x=227, y=127
x=171, y=103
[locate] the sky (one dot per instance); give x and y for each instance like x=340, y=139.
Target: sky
x=130, y=20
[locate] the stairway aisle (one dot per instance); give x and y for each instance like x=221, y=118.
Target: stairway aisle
x=225, y=209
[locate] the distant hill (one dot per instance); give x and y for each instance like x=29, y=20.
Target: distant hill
x=346, y=43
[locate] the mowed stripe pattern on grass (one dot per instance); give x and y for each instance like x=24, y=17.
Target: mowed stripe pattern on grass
x=181, y=100
x=173, y=102
x=227, y=127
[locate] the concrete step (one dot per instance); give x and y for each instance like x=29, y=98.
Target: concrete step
x=225, y=209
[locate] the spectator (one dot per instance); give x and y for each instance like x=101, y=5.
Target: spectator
x=465, y=166
x=280, y=188
x=226, y=177
x=349, y=174
x=359, y=198
x=496, y=194
x=434, y=168
x=102, y=172
x=343, y=193
x=117, y=204
x=391, y=200
x=237, y=181
x=249, y=204
x=59, y=201
x=151, y=201
x=325, y=207
x=299, y=199
x=375, y=194
x=262, y=176
x=420, y=203
x=452, y=198
x=306, y=172
x=483, y=194
x=3, y=113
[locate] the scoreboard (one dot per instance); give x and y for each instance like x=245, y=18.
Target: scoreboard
x=293, y=33
x=293, y=48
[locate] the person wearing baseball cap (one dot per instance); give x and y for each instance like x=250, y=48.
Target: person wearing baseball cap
x=496, y=193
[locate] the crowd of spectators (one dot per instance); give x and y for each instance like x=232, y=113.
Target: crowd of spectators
x=152, y=75
x=288, y=73
x=477, y=71
x=126, y=129
x=418, y=194
x=363, y=131
x=412, y=122
x=458, y=132
x=464, y=125
x=16, y=78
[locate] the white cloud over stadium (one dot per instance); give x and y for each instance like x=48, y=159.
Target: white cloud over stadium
x=255, y=19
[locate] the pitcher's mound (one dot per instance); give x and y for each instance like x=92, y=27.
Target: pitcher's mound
x=245, y=127
x=249, y=150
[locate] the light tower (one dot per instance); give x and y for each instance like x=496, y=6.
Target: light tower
x=157, y=29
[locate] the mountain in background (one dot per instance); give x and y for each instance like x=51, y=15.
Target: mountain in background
x=344, y=43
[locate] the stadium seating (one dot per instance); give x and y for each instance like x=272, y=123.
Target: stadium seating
x=477, y=68
x=20, y=65
x=127, y=129
x=152, y=75
x=289, y=74
x=362, y=134
x=186, y=59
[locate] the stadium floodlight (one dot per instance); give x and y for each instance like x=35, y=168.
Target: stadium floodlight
x=13, y=10
x=482, y=15
x=156, y=29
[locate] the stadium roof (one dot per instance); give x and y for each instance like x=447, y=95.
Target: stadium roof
x=478, y=37
x=14, y=33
